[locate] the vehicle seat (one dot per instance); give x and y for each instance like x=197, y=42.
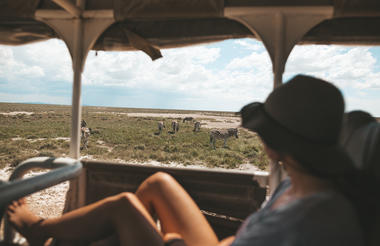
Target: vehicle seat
x=361, y=140
x=2, y=209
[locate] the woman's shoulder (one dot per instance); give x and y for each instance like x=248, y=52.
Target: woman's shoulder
x=332, y=216
x=321, y=209
x=325, y=218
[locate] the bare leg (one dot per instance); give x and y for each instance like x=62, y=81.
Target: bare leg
x=125, y=214
x=122, y=213
x=176, y=210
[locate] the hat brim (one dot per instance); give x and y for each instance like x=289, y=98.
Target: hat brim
x=320, y=159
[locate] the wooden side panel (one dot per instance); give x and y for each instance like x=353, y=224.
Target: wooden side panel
x=221, y=195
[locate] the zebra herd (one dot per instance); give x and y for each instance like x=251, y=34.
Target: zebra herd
x=175, y=126
x=214, y=134
x=161, y=126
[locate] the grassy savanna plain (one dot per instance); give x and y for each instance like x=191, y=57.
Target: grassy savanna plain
x=44, y=130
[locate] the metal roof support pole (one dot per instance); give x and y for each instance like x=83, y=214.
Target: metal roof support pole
x=78, y=61
x=279, y=28
x=79, y=35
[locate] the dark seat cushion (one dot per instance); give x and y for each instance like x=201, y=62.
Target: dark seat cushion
x=361, y=140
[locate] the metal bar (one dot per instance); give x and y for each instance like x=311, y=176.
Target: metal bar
x=61, y=14
x=79, y=34
x=17, y=188
x=75, y=11
x=77, y=186
x=20, y=188
x=279, y=49
x=76, y=100
x=276, y=171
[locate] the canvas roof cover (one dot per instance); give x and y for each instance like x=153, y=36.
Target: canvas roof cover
x=175, y=23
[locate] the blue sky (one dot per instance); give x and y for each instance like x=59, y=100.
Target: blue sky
x=218, y=76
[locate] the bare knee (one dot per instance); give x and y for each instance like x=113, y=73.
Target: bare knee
x=122, y=200
x=126, y=197
x=160, y=179
x=126, y=205
x=156, y=183
x=112, y=206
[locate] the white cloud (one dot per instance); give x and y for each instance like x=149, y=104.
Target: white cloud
x=47, y=60
x=352, y=69
x=6, y=55
x=197, y=54
x=363, y=102
x=189, y=71
x=346, y=67
x=194, y=72
x=31, y=71
x=255, y=62
x=136, y=70
x=254, y=46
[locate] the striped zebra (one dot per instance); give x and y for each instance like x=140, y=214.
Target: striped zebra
x=175, y=126
x=85, y=133
x=160, y=126
x=222, y=134
x=83, y=123
x=187, y=119
x=197, y=126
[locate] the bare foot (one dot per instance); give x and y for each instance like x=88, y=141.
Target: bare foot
x=26, y=223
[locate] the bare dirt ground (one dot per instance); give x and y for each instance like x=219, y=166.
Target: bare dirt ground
x=207, y=121
x=17, y=113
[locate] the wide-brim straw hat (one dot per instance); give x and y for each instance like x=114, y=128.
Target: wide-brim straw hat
x=303, y=118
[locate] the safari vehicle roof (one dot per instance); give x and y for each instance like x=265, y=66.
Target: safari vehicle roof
x=149, y=25
x=166, y=23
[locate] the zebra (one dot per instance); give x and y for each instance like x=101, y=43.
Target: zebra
x=197, y=126
x=85, y=132
x=175, y=126
x=160, y=126
x=187, y=119
x=222, y=134
x=83, y=123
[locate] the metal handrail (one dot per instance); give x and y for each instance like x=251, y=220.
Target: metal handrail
x=16, y=188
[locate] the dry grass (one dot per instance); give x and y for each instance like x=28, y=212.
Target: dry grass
x=117, y=136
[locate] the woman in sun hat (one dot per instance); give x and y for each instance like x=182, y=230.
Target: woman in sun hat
x=299, y=124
